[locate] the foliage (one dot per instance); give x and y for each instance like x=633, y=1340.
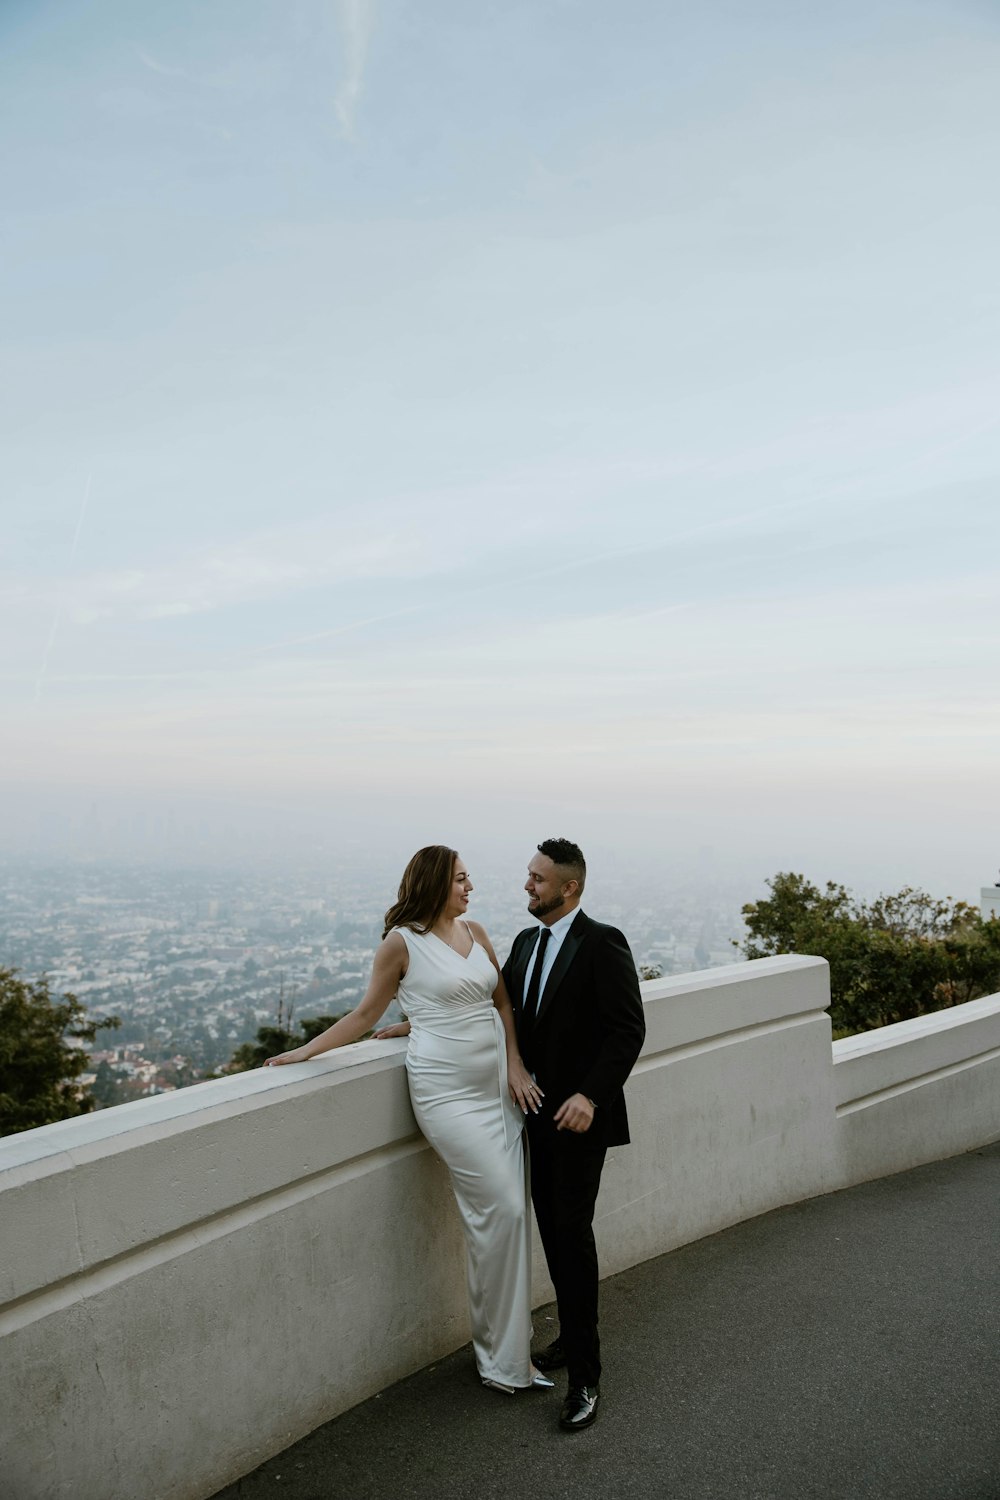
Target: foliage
x=106, y=1089
x=899, y=956
x=274, y=1039
x=39, y=1064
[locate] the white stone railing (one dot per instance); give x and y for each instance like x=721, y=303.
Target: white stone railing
x=917, y=1091
x=191, y=1282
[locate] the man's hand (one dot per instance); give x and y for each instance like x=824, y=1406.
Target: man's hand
x=576, y=1114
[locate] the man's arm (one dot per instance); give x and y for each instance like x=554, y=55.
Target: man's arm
x=507, y=973
x=620, y=1017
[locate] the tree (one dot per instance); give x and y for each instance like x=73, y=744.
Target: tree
x=106, y=1088
x=39, y=1064
x=274, y=1039
x=113, y=1086
x=897, y=957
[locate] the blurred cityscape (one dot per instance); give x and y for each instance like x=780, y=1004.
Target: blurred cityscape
x=194, y=962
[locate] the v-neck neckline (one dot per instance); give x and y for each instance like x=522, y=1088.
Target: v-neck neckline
x=463, y=956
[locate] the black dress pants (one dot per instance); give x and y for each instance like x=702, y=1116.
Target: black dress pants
x=565, y=1176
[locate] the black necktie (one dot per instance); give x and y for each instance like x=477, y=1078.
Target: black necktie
x=534, y=983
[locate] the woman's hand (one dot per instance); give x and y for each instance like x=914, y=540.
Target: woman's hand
x=523, y=1089
x=298, y=1054
x=401, y=1028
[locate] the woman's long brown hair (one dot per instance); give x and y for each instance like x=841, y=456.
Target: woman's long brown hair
x=423, y=890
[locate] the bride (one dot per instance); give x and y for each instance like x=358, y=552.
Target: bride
x=469, y=1089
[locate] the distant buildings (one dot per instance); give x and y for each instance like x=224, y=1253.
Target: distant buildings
x=194, y=962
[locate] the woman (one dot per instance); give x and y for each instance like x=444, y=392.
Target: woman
x=469, y=1089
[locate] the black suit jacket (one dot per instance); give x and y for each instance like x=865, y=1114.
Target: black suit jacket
x=590, y=1024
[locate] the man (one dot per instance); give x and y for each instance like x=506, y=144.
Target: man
x=580, y=1027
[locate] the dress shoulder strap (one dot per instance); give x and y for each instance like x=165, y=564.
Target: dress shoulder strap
x=409, y=936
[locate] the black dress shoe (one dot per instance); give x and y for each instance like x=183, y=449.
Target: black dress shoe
x=552, y=1358
x=580, y=1407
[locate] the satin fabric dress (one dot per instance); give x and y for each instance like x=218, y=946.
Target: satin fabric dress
x=456, y=1066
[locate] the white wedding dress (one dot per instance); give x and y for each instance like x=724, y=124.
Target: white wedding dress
x=456, y=1064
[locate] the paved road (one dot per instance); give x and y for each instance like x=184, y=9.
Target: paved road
x=847, y=1348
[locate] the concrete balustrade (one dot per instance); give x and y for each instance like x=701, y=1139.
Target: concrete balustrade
x=190, y=1283
x=918, y=1091
x=730, y=1106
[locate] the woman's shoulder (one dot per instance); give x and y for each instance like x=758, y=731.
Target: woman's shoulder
x=478, y=931
x=392, y=956
x=396, y=940
x=405, y=935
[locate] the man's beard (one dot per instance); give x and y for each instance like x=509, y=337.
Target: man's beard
x=544, y=908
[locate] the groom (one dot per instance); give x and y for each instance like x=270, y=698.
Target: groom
x=580, y=1026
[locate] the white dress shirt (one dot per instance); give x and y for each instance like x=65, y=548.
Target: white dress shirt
x=557, y=933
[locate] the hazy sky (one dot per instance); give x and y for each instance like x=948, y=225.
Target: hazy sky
x=476, y=421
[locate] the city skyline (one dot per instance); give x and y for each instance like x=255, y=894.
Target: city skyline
x=192, y=964
x=489, y=425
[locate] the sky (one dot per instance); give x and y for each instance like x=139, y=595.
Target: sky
x=475, y=423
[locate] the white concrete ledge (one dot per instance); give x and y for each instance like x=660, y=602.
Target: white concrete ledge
x=191, y=1282
x=108, y=1183
x=716, y=1003
x=875, y=1061
x=917, y=1091
x=730, y=1106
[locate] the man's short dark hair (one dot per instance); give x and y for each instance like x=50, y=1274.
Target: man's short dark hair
x=568, y=856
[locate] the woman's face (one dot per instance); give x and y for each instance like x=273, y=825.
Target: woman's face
x=458, y=896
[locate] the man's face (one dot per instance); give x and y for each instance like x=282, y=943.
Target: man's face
x=548, y=893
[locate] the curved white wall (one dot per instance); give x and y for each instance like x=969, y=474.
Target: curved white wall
x=189, y=1283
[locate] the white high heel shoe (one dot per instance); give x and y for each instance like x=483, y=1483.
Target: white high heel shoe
x=539, y=1382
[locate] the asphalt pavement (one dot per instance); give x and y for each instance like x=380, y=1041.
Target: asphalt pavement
x=846, y=1348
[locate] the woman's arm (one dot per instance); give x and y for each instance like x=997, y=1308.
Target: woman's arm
x=387, y=970
x=523, y=1089
x=400, y=1028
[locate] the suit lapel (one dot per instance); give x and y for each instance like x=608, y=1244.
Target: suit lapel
x=564, y=959
x=520, y=966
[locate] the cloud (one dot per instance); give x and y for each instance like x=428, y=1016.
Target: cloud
x=54, y=628
x=355, y=18
x=269, y=564
x=53, y=632
x=347, y=629
x=151, y=63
